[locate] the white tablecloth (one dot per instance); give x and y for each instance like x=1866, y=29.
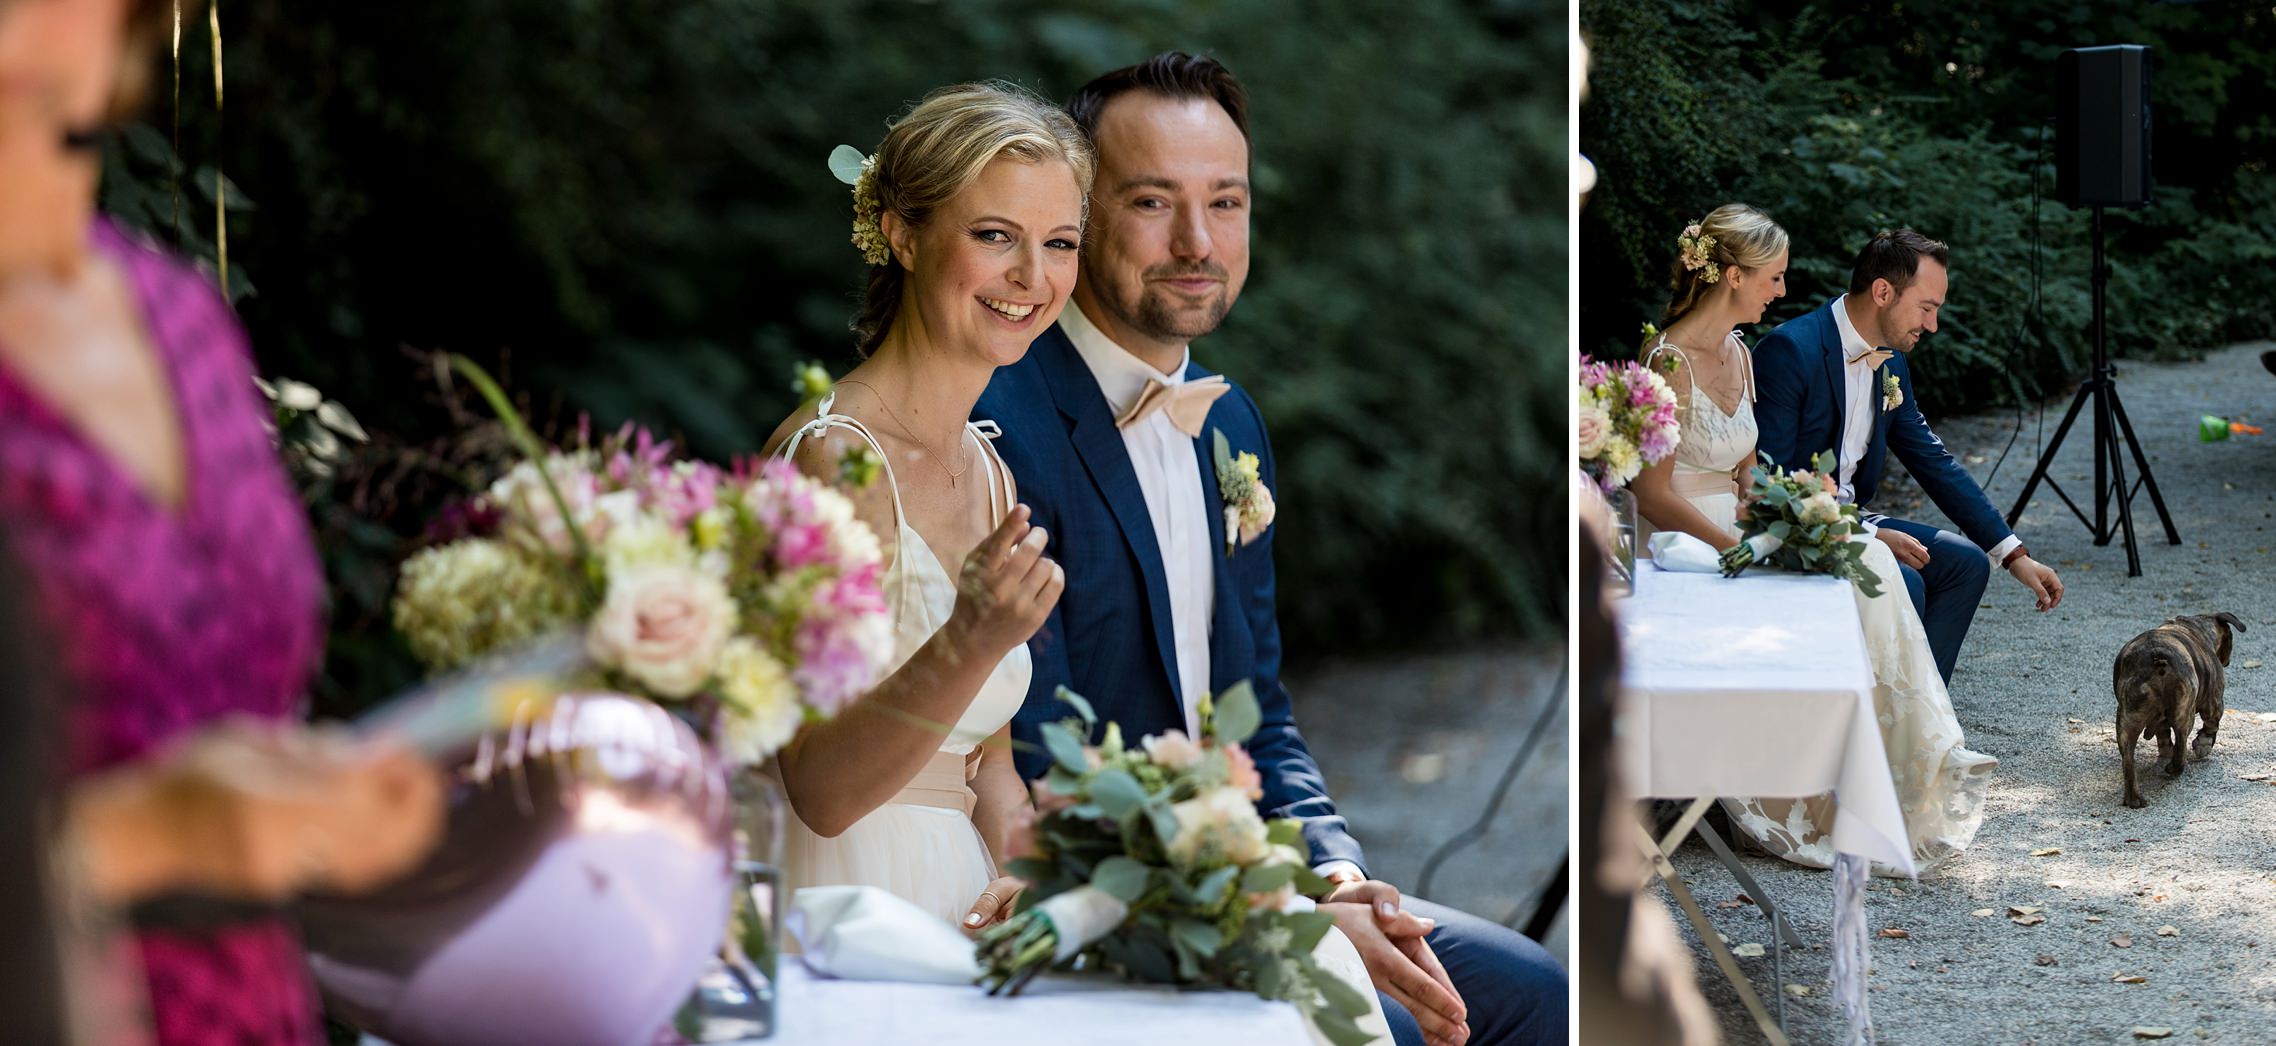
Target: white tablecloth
x=1053, y=1010
x=1755, y=686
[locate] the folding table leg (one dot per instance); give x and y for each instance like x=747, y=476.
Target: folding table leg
x=1771, y=1031
x=1754, y=889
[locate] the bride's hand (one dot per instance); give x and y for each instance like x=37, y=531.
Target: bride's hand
x=1007, y=587
x=994, y=905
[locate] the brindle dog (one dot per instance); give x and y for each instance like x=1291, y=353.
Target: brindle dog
x=2164, y=678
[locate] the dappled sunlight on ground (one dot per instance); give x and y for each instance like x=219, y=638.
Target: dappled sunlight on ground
x=2034, y=690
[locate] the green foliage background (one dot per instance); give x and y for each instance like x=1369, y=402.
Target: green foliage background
x=1840, y=119
x=623, y=208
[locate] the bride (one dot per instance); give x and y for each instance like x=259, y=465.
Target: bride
x=970, y=216
x=1730, y=267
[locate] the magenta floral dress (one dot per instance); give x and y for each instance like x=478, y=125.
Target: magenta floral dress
x=165, y=619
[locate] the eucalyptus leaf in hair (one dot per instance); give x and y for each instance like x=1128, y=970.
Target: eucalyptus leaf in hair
x=845, y=162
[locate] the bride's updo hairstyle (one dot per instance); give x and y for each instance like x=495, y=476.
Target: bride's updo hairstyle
x=1731, y=235
x=936, y=151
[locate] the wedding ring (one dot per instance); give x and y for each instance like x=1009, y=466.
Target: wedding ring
x=991, y=895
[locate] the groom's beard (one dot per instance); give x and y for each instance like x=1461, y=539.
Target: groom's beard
x=1166, y=314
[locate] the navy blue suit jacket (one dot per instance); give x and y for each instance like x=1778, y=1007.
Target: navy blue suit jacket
x=1110, y=638
x=1801, y=383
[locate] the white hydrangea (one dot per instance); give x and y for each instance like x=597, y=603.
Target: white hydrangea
x=457, y=602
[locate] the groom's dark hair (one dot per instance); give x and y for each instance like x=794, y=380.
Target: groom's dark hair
x=1895, y=257
x=1175, y=75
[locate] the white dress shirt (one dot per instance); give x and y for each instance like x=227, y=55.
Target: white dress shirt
x=1169, y=475
x=1864, y=399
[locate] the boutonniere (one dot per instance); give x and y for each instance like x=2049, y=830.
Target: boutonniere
x=1892, y=393
x=1248, y=505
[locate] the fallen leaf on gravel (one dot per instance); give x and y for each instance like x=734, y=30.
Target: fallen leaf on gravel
x=2093, y=918
x=2014, y=910
x=2168, y=931
x=2058, y=883
x=1797, y=990
x=2122, y=941
x=2252, y=777
x=2120, y=978
x=2158, y=899
x=1981, y=912
x=2153, y=1033
x=2047, y=851
x=2250, y=664
x=1895, y=933
x=2046, y=960
x=2027, y=920
x=2076, y=719
x=1748, y=950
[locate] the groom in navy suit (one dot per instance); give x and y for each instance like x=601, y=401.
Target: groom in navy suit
x=1836, y=380
x=1108, y=428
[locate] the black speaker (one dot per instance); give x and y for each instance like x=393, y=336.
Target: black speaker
x=2102, y=127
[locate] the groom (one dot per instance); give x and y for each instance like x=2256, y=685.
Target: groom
x=1109, y=428
x=1836, y=380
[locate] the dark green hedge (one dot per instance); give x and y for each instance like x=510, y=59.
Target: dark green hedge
x=1843, y=118
x=627, y=207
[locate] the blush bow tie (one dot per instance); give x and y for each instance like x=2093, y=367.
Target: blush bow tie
x=1873, y=358
x=1186, y=404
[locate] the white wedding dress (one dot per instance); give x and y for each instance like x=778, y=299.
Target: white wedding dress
x=1940, y=784
x=922, y=846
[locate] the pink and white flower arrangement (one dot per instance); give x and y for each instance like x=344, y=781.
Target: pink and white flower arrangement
x=1624, y=421
x=749, y=596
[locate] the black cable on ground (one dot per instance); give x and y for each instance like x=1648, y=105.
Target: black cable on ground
x=1553, y=702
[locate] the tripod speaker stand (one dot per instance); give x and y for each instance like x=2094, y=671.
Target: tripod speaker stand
x=2110, y=424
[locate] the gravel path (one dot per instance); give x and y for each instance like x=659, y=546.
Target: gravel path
x=1413, y=746
x=2182, y=894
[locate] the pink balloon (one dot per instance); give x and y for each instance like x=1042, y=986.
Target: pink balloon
x=581, y=885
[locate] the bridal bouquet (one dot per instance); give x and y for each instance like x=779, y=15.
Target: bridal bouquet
x=1624, y=420
x=1152, y=861
x=749, y=596
x=1794, y=520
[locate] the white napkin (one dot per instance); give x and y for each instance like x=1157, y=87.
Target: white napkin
x=1677, y=551
x=862, y=933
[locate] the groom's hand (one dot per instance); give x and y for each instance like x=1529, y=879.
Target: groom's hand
x=1382, y=898
x=1406, y=970
x=1907, y=548
x=2040, y=578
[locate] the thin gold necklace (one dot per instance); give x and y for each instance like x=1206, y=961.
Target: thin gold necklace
x=956, y=475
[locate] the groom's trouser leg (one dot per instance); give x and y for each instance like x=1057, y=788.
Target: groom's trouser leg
x=1954, y=586
x=1514, y=989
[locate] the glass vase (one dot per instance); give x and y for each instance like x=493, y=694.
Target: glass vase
x=735, y=998
x=1623, y=537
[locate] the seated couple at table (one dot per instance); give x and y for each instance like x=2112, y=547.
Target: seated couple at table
x=1098, y=547
x=1836, y=379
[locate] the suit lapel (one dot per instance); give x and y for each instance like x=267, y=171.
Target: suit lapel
x=1231, y=657
x=1837, y=375
x=1090, y=428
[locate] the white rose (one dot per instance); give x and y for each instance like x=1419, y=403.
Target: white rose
x=1222, y=823
x=529, y=509
x=1592, y=427
x=1820, y=508
x=1172, y=750
x=663, y=626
